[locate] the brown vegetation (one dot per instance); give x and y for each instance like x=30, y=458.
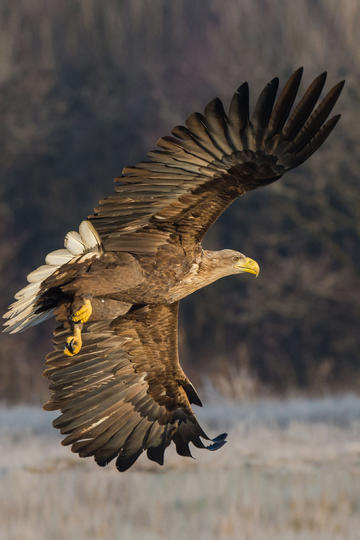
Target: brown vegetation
x=87, y=87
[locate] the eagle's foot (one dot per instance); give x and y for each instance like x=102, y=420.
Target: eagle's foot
x=77, y=319
x=83, y=314
x=74, y=343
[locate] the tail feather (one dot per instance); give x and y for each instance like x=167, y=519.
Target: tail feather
x=40, y=274
x=27, y=310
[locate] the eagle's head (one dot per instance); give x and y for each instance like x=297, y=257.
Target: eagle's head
x=238, y=263
x=227, y=262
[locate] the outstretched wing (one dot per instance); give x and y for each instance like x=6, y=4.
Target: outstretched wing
x=125, y=392
x=205, y=166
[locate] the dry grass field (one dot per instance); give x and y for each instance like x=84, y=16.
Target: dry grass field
x=291, y=470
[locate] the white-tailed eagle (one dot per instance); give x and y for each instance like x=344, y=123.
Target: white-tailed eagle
x=115, y=287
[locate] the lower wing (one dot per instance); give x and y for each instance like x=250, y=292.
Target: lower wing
x=125, y=392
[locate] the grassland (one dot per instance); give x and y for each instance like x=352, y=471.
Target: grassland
x=291, y=470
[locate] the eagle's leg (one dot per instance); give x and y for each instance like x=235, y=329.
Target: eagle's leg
x=77, y=318
x=74, y=342
x=83, y=314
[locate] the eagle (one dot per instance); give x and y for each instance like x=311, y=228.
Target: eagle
x=116, y=285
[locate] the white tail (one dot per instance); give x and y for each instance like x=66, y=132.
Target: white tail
x=22, y=312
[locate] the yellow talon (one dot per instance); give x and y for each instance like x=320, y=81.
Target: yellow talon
x=83, y=314
x=73, y=343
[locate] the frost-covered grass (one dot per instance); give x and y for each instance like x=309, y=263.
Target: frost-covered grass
x=291, y=470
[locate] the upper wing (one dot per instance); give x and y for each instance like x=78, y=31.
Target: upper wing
x=183, y=189
x=125, y=391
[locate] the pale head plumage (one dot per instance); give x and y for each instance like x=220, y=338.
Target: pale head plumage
x=227, y=262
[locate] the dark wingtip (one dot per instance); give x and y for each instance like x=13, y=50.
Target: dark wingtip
x=191, y=393
x=214, y=107
x=217, y=442
x=335, y=119
x=297, y=75
x=263, y=109
x=340, y=85
x=336, y=91
x=215, y=446
x=319, y=82
x=220, y=437
x=124, y=462
x=243, y=88
x=182, y=446
x=156, y=454
x=103, y=461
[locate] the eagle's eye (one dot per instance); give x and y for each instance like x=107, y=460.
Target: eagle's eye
x=236, y=258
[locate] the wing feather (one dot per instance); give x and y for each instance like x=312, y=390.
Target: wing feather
x=125, y=392
x=206, y=164
x=262, y=112
x=239, y=112
x=304, y=107
x=284, y=103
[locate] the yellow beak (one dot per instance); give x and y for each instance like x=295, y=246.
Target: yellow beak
x=250, y=266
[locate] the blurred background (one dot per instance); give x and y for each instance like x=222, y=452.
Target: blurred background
x=87, y=87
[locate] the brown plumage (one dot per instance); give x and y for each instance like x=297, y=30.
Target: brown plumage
x=116, y=286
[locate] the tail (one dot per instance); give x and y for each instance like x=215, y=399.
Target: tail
x=27, y=310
